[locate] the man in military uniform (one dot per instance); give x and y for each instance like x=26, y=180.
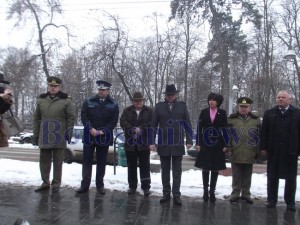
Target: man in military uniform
x=99, y=116
x=53, y=125
x=173, y=120
x=244, y=151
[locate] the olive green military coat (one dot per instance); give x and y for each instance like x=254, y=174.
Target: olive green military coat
x=53, y=120
x=244, y=134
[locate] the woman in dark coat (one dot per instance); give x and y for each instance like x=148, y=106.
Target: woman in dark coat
x=210, y=144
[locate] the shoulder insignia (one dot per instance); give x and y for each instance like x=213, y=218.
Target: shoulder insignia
x=44, y=95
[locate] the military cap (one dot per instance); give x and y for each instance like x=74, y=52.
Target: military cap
x=244, y=101
x=52, y=80
x=137, y=96
x=103, y=85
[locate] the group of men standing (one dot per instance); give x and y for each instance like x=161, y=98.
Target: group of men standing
x=170, y=131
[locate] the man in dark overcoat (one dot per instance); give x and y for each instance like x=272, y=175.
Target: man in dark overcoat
x=99, y=116
x=172, y=120
x=135, y=121
x=280, y=136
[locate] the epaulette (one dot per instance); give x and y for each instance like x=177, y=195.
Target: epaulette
x=234, y=115
x=253, y=115
x=44, y=95
x=60, y=94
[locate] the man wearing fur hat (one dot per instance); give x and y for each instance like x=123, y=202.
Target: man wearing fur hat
x=243, y=148
x=135, y=121
x=5, y=104
x=52, y=127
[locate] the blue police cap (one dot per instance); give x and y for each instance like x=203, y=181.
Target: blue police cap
x=103, y=85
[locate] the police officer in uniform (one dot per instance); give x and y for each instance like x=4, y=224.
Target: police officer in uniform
x=52, y=126
x=99, y=116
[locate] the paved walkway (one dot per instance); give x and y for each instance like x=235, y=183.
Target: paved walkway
x=118, y=208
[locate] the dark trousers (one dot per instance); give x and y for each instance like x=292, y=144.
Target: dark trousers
x=87, y=165
x=289, y=190
x=176, y=173
x=241, y=179
x=46, y=156
x=144, y=163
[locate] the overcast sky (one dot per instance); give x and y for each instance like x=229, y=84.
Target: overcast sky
x=84, y=16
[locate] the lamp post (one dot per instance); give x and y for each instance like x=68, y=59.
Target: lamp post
x=291, y=56
x=235, y=89
x=230, y=85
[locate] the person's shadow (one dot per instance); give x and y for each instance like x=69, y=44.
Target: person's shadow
x=84, y=205
x=289, y=217
x=272, y=216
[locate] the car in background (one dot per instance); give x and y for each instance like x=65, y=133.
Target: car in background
x=26, y=138
x=74, y=150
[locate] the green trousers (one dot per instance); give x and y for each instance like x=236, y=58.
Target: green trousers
x=241, y=179
x=46, y=156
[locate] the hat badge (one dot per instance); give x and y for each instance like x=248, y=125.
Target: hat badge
x=244, y=101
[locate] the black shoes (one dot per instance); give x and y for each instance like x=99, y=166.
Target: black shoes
x=131, y=191
x=165, y=198
x=234, y=199
x=55, y=189
x=42, y=188
x=291, y=207
x=147, y=192
x=212, y=197
x=101, y=191
x=271, y=204
x=248, y=200
x=81, y=191
x=177, y=200
x=205, y=196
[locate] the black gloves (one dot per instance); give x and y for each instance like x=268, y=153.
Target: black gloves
x=68, y=138
x=35, y=141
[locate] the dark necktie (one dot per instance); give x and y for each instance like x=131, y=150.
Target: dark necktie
x=283, y=110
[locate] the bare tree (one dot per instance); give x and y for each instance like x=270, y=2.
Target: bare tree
x=24, y=9
x=23, y=72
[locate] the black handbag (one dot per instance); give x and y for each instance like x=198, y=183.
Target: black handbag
x=11, y=123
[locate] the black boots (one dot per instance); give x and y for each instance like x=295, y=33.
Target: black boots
x=213, y=183
x=205, y=178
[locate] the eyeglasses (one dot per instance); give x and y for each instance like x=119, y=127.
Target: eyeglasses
x=51, y=85
x=244, y=106
x=102, y=89
x=170, y=95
